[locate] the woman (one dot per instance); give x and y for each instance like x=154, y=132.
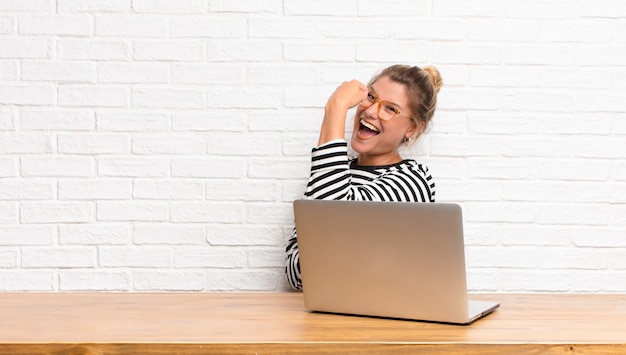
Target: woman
x=392, y=110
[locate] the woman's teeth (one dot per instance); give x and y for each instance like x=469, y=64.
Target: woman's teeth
x=369, y=126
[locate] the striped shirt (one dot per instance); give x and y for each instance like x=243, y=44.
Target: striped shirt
x=334, y=176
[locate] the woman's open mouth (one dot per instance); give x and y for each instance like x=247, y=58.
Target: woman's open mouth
x=367, y=130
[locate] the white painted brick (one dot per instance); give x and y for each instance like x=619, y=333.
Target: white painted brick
x=570, y=214
x=210, y=27
x=94, y=281
x=240, y=235
x=132, y=122
x=471, y=8
x=36, y=257
x=393, y=8
x=504, y=76
x=502, y=123
x=535, y=281
x=8, y=70
x=244, y=280
x=8, y=259
x=455, y=145
x=599, y=192
x=618, y=259
x=168, y=189
x=169, y=280
x=168, y=98
x=170, y=51
x=320, y=8
x=99, y=96
x=283, y=27
x=520, y=100
x=533, y=146
x=431, y=29
x=511, y=257
x=594, y=170
x=133, y=72
x=241, y=190
x=130, y=26
x=595, y=147
x=223, y=258
x=27, y=95
x=131, y=211
x=601, y=8
x=169, y=234
x=534, y=191
x=293, y=146
x=484, y=281
x=145, y=256
x=576, y=31
x=248, y=145
x=28, y=280
x=279, y=169
x=57, y=212
x=94, y=234
x=533, y=235
x=26, y=6
x=161, y=144
x=169, y=7
x=412, y=52
x=448, y=53
x=597, y=237
x=577, y=124
x=207, y=212
x=504, y=30
x=61, y=120
x=93, y=6
x=246, y=99
x=92, y=49
x=8, y=167
x=282, y=74
x=270, y=212
x=25, y=47
x=472, y=99
x=598, y=281
x=209, y=120
x=509, y=169
x=262, y=6
x=74, y=166
x=208, y=168
x=318, y=52
x=538, y=9
x=576, y=78
x=27, y=189
x=533, y=54
x=27, y=235
x=9, y=213
x=228, y=50
x=266, y=258
x=93, y=144
x=617, y=215
x=599, y=102
x=293, y=121
x=100, y=189
x=579, y=258
x=369, y=30
x=491, y=212
x=468, y=190
x=124, y=166
x=61, y=25
x=7, y=24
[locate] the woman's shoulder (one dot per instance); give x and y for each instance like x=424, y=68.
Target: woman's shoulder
x=413, y=166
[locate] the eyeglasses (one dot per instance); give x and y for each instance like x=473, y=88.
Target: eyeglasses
x=388, y=111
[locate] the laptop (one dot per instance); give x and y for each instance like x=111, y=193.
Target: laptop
x=385, y=259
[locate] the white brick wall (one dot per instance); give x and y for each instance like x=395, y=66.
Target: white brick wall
x=157, y=145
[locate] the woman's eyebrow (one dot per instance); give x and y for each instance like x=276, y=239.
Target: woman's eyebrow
x=391, y=102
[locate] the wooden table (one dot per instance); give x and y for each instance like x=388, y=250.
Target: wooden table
x=274, y=323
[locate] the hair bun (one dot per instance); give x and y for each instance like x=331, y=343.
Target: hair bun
x=434, y=76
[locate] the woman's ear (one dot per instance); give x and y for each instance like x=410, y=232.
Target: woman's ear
x=416, y=129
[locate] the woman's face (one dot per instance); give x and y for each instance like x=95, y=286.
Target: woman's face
x=377, y=140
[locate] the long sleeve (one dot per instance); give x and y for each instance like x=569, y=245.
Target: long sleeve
x=333, y=178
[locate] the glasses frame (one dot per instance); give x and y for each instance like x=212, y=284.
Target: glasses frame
x=380, y=104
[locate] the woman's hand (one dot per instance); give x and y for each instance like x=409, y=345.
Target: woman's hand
x=346, y=96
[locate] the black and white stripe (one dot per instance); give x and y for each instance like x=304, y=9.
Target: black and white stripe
x=335, y=177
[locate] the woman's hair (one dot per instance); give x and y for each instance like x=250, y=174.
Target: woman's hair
x=422, y=85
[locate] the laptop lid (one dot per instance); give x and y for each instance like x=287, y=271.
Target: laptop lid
x=387, y=259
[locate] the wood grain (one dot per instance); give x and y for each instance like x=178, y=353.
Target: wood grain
x=276, y=323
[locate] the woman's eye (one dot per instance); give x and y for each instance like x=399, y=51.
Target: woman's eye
x=371, y=96
x=392, y=109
